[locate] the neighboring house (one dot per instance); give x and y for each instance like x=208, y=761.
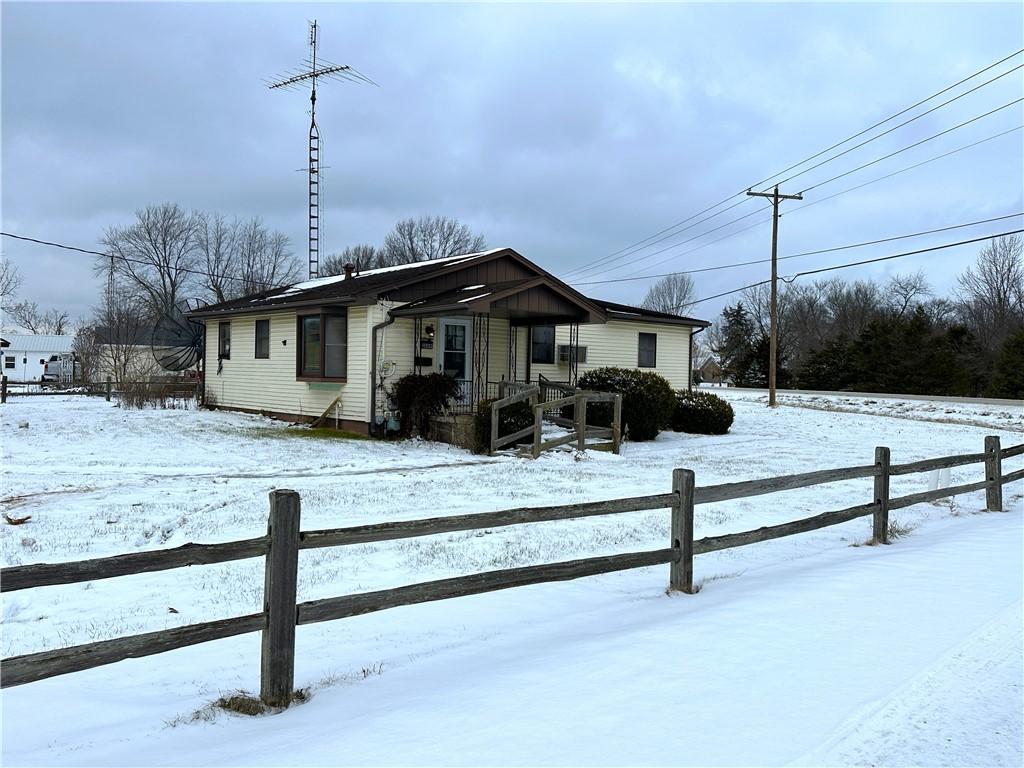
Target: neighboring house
x=340, y=342
x=23, y=357
x=711, y=372
x=128, y=355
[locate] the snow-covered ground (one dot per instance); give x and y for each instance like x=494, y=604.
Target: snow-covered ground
x=807, y=649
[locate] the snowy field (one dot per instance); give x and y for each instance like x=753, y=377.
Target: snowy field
x=809, y=650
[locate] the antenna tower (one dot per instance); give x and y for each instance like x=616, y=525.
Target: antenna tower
x=312, y=70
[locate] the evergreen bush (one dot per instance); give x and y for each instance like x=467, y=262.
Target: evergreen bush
x=647, y=400
x=701, y=413
x=419, y=397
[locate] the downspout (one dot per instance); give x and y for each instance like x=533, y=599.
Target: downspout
x=689, y=371
x=373, y=372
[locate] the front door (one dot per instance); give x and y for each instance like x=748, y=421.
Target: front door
x=456, y=358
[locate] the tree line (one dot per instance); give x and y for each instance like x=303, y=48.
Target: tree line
x=170, y=259
x=893, y=336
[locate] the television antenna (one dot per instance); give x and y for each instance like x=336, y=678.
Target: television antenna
x=309, y=73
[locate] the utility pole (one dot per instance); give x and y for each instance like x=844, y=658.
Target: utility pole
x=773, y=340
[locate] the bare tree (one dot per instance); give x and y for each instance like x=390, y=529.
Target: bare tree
x=242, y=257
x=852, y=306
x=263, y=259
x=992, y=291
x=672, y=294
x=157, y=257
x=217, y=242
x=122, y=329
x=905, y=290
x=29, y=316
x=427, y=238
x=10, y=281
x=88, y=350
x=361, y=257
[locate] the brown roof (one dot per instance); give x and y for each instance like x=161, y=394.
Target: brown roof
x=438, y=284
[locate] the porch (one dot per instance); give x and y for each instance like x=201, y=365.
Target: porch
x=488, y=337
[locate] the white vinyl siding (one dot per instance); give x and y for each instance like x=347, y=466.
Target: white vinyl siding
x=246, y=381
x=616, y=342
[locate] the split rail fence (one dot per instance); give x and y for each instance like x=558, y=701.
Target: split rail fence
x=284, y=540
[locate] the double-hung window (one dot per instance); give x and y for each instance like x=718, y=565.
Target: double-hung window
x=647, y=354
x=262, y=339
x=323, y=346
x=542, y=344
x=224, y=340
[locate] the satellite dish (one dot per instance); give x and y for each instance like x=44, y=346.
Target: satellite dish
x=177, y=341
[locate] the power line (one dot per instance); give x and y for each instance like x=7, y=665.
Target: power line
x=687, y=240
x=891, y=117
x=903, y=170
x=901, y=255
x=805, y=253
x=646, y=240
x=916, y=144
x=897, y=127
x=846, y=173
x=850, y=264
x=136, y=261
x=594, y=267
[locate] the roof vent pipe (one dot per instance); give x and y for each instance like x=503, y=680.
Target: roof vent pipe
x=349, y=268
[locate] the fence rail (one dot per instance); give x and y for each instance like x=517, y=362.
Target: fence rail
x=284, y=540
x=578, y=428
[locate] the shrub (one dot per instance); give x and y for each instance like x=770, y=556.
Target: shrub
x=511, y=419
x=701, y=413
x=647, y=400
x=419, y=398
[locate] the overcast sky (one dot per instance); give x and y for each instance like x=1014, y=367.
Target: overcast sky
x=564, y=131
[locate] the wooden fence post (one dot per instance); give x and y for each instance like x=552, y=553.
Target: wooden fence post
x=681, y=573
x=880, y=520
x=495, y=413
x=993, y=474
x=581, y=422
x=108, y=389
x=3, y=389
x=538, y=426
x=617, y=423
x=277, y=669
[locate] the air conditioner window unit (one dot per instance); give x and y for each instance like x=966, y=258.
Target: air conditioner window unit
x=565, y=353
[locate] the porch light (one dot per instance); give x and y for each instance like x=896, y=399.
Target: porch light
x=429, y=330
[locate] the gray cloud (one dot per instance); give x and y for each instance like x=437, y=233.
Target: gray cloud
x=565, y=131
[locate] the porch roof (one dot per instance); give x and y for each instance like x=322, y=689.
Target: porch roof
x=533, y=300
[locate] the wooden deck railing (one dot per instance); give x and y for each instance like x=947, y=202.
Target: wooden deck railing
x=579, y=430
x=284, y=540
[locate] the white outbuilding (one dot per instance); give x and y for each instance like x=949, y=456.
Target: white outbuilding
x=23, y=357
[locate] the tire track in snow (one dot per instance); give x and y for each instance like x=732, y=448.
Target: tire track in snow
x=974, y=689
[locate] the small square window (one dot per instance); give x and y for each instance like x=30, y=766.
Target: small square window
x=647, y=354
x=263, y=339
x=224, y=341
x=10, y=362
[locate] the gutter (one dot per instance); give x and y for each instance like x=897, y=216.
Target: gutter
x=373, y=369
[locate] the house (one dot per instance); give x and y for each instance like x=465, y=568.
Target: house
x=23, y=357
x=334, y=345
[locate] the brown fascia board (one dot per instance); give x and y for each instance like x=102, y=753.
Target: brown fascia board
x=372, y=296
x=267, y=309
x=639, y=317
x=554, y=283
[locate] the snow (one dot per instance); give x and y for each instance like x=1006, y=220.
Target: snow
x=809, y=650
x=322, y=281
